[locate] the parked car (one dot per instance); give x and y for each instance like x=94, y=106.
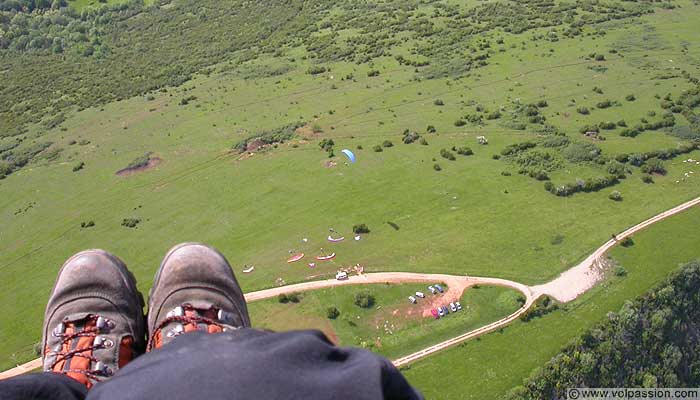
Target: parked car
x=412, y=299
x=459, y=306
x=447, y=310
x=432, y=289
x=420, y=294
x=441, y=312
x=435, y=313
x=439, y=288
x=341, y=276
x=453, y=307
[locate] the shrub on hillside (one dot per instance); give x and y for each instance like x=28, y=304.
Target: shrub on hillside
x=615, y=195
x=131, y=222
x=627, y=242
x=583, y=110
x=282, y=298
x=360, y=228
x=77, y=167
x=332, y=312
x=444, y=153
x=364, y=299
x=140, y=161
x=377, y=148
x=387, y=143
x=465, y=151
x=580, y=152
x=437, y=167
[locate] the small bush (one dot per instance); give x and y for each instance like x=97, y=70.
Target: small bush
x=620, y=271
x=647, y=179
x=496, y=156
x=316, y=69
x=460, y=122
x=359, y=147
x=88, y=224
x=423, y=141
x=387, y=143
x=364, y=299
x=604, y=104
x=140, y=161
x=431, y=129
x=627, y=242
x=615, y=196
x=505, y=173
x=294, y=297
x=282, y=298
x=465, y=151
x=77, y=167
x=630, y=97
x=446, y=154
x=360, y=228
x=131, y=222
x=332, y=312
x=373, y=73
x=437, y=167
x=439, y=102
x=377, y=148
x=583, y=110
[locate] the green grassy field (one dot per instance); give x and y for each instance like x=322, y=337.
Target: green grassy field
x=392, y=327
x=489, y=367
x=468, y=218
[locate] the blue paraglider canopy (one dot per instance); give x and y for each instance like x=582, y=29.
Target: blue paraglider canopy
x=350, y=155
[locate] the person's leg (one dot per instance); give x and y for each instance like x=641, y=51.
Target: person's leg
x=252, y=364
x=93, y=326
x=43, y=385
x=196, y=292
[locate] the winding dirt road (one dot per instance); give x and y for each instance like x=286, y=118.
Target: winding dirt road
x=567, y=287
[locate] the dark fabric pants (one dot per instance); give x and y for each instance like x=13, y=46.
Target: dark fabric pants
x=245, y=364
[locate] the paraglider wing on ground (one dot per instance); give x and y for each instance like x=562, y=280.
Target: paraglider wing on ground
x=350, y=155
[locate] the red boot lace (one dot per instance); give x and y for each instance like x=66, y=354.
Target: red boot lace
x=190, y=320
x=82, y=350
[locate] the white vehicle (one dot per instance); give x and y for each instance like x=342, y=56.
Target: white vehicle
x=432, y=289
x=459, y=306
x=441, y=312
x=420, y=294
x=453, y=307
x=341, y=276
x=412, y=299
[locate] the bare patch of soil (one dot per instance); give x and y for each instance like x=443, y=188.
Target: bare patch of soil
x=152, y=163
x=306, y=132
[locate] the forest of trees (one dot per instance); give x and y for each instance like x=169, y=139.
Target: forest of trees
x=653, y=341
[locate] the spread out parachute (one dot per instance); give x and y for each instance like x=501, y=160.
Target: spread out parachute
x=296, y=258
x=350, y=155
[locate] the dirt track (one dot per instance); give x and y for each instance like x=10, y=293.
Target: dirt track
x=567, y=287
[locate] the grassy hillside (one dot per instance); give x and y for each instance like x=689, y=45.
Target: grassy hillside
x=391, y=326
x=175, y=87
x=488, y=368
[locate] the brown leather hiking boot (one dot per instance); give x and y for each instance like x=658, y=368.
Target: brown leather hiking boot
x=194, y=290
x=94, y=322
